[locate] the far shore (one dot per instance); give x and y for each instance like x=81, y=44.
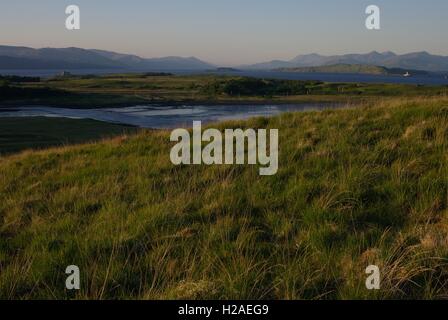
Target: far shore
x=229, y=102
x=123, y=90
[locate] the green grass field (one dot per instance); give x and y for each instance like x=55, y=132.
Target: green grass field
x=357, y=186
x=127, y=89
x=22, y=133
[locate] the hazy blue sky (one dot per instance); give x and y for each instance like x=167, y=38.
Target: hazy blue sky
x=228, y=32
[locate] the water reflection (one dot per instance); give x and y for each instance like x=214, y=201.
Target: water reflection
x=152, y=116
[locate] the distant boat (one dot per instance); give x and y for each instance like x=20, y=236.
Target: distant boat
x=65, y=74
x=407, y=74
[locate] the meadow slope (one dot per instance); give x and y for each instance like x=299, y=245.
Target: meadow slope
x=355, y=187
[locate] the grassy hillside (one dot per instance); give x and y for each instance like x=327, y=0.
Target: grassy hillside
x=355, y=187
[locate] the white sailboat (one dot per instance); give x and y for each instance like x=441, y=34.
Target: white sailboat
x=407, y=74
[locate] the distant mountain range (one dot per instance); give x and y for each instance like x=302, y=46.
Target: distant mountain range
x=76, y=58
x=412, y=61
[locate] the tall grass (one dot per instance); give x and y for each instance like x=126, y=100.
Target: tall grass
x=357, y=186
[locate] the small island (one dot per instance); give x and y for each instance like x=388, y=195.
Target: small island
x=225, y=69
x=353, y=69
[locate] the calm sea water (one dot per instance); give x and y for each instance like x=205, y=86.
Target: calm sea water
x=432, y=79
x=159, y=117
